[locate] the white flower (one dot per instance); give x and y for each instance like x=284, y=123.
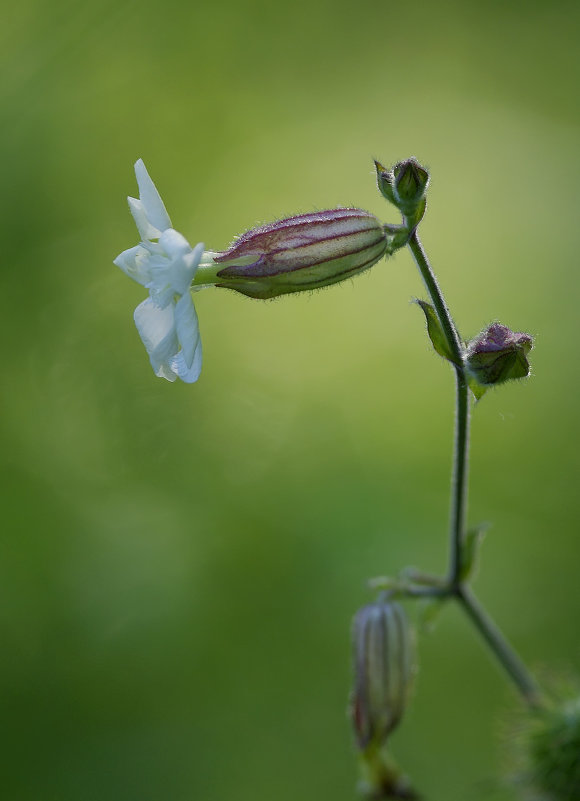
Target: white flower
x=165, y=264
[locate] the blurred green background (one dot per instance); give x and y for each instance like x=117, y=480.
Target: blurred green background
x=179, y=564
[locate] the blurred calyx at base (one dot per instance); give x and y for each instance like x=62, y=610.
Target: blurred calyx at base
x=383, y=671
x=305, y=252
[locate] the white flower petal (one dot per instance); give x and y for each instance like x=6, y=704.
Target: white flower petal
x=161, y=294
x=151, y=199
x=165, y=264
x=187, y=327
x=187, y=374
x=157, y=330
x=174, y=243
x=193, y=259
x=173, y=268
x=164, y=371
x=145, y=228
x=133, y=262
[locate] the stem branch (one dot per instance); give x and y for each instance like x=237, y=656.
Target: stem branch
x=500, y=647
x=507, y=657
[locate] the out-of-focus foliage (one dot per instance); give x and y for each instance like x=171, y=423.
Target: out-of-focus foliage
x=541, y=746
x=179, y=565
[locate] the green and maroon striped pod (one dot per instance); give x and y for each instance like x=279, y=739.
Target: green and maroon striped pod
x=383, y=667
x=303, y=252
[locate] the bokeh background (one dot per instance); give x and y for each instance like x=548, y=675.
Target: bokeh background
x=180, y=564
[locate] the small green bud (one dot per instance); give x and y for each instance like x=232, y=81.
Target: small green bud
x=383, y=666
x=303, y=252
x=410, y=185
x=405, y=186
x=498, y=355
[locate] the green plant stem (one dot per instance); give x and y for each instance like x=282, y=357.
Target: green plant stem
x=461, y=446
x=459, y=481
x=437, y=298
x=499, y=645
x=507, y=657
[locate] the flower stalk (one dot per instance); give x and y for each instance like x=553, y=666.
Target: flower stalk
x=456, y=586
x=461, y=448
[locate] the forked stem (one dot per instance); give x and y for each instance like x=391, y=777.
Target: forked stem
x=503, y=651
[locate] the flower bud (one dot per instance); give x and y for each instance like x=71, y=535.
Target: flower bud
x=410, y=183
x=383, y=667
x=405, y=186
x=303, y=252
x=498, y=355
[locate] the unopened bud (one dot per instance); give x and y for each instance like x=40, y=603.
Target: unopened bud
x=410, y=184
x=405, y=186
x=498, y=355
x=383, y=666
x=304, y=252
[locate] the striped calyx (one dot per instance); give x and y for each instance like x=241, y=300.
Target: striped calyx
x=383, y=667
x=303, y=252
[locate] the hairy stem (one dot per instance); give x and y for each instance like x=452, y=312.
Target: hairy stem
x=461, y=448
x=436, y=296
x=503, y=651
